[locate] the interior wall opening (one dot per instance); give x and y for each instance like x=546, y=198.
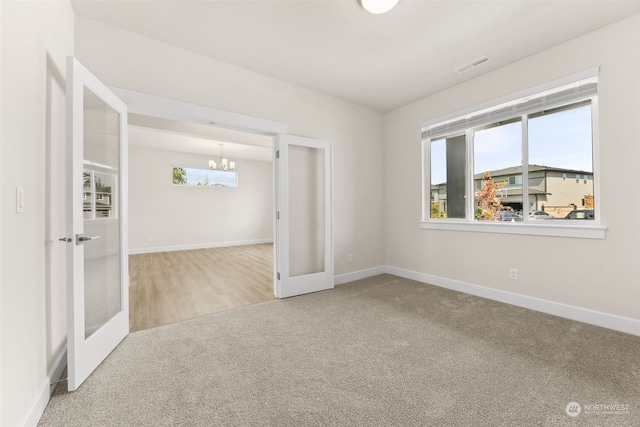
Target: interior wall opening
x=197, y=247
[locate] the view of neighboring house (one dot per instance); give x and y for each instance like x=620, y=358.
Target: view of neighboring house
x=97, y=194
x=556, y=191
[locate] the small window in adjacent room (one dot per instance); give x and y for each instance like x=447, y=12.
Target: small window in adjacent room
x=204, y=177
x=551, y=132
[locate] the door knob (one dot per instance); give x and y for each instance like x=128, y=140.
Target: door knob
x=81, y=238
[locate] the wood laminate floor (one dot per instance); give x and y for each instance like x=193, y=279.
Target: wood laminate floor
x=168, y=287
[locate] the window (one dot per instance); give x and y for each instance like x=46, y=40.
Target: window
x=551, y=132
x=98, y=194
x=204, y=177
x=515, y=180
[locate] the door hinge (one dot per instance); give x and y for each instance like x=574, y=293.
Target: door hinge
x=278, y=276
x=277, y=154
x=278, y=215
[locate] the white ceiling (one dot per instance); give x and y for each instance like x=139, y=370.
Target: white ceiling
x=193, y=138
x=378, y=61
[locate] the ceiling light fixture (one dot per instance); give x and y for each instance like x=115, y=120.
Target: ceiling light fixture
x=224, y=163
x=378, y=6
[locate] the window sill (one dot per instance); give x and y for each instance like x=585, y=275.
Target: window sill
x=556, y=230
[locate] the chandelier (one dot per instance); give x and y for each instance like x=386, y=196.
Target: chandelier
x=224, y=163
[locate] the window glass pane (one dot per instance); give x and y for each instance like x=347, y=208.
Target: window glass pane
x=205, y=177
x=306, y=210
x=448, y=177
x=497, y=151
x=105, y=184
x=561, y=141
x=438, y=168
x=101, y=193
x=87, y=194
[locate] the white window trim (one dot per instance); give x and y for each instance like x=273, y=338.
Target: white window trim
x=595, y=230
x=557, y=230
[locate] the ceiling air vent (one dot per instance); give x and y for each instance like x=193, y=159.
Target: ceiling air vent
x=472, y=64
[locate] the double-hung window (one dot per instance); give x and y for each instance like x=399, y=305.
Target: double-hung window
x=503, y=166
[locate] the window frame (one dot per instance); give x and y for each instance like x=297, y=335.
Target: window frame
x=114, y=209
x=595, y=229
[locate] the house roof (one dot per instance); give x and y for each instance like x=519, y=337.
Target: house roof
x=517, y=170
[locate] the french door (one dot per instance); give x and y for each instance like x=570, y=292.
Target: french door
x=98, y=292
x=304, y=218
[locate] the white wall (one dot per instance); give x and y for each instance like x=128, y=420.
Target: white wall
x=126, y=60
x=36, y=38
x=180, y=217
x=601, y=275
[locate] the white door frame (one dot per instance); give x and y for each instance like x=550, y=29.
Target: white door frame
x=171, y=109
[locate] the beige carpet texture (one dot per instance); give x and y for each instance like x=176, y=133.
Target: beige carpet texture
x=382, y=351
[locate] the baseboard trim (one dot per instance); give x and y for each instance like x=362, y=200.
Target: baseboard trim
x=592, y=317
x=34, y=415
x=174, y=248
x=341, y=279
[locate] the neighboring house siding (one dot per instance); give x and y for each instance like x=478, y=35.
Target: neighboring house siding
x=554, y=190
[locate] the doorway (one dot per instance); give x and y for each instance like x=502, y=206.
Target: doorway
x=296, y=190
x=199, y=242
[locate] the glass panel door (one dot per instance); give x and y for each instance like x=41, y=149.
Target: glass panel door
x=305, y=237
x=98, y=309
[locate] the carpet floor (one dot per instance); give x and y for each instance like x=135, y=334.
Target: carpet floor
x=382, y=351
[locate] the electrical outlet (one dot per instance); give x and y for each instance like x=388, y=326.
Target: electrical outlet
x=350, y=258
x=513, y=273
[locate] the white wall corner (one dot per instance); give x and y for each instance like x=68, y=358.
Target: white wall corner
x=341, y=279
x=47, y=388
x=584, y=315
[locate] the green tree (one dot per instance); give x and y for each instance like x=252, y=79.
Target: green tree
x=179, y=176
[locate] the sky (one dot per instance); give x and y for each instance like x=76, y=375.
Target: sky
x=225, y=178
x=561, y=140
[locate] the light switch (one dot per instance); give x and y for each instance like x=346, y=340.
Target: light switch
x=19, y=200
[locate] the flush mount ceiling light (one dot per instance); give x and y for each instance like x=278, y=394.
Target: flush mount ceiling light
x=378, y=6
